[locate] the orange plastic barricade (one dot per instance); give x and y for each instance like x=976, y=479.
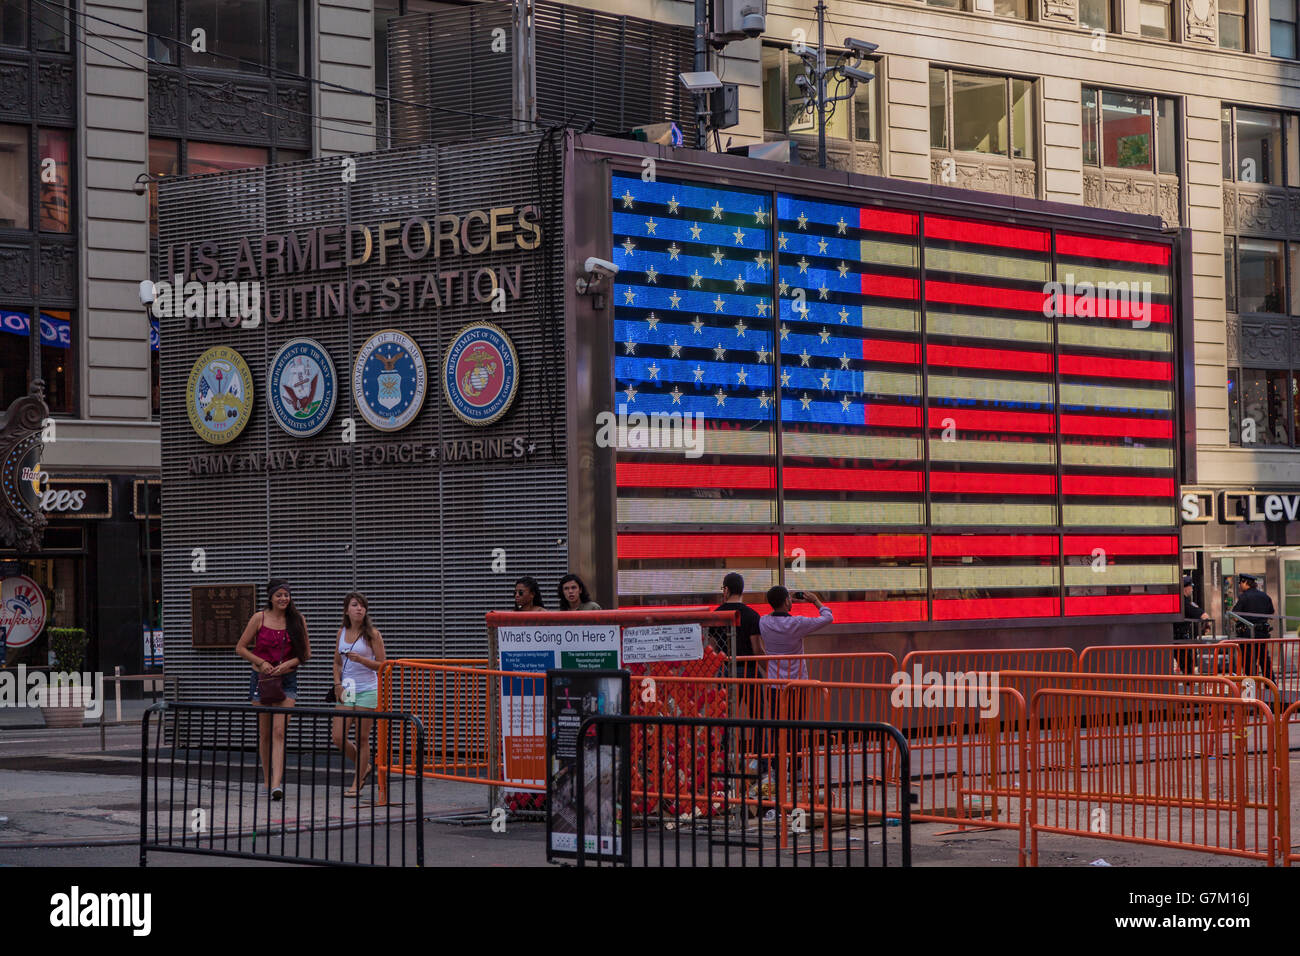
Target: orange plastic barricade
x=1286, y=814
x=1206, y=783
x=466, y=718
x=1181, y=657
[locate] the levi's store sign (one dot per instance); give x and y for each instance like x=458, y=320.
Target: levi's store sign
x=1232, y=507
x=898, y=408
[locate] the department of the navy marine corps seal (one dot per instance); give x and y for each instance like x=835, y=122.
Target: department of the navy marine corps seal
x=219, y=396
x=480, y=373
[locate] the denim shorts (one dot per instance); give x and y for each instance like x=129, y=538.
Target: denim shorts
x=290, y=682
x=365, y=700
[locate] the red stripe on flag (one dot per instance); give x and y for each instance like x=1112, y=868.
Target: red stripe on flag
x=994, y=545
x=891, y=416
x=696, y=546
x=977, y=483
x=1095, y=247
x=818, y=546
x=978, y=609
x=1121, y=604
x=975, y=420
x=1122, y=427
x=851, y=479
x=894, y=287
x=635, y=475
x=1095, y=307
x=1085, y=544
x=967, y=357
x=986, y=233
x=889, y=350
x=1118, y=485
x=1116, y=367
x=887, y=220
x=961, y=293
x=869, y=612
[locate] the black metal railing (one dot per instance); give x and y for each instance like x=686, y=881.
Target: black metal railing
x=687, y=791
x=204, y=788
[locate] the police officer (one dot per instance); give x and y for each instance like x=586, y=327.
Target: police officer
x=1253, y=604
x=1190, y=629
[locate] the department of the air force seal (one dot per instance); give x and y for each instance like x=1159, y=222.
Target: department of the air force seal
x=300, y=388
x=480, y=373
x=389, y=380
x=219, y=395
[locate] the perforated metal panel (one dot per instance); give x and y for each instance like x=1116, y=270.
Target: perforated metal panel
x=616, y=71
x=416, y=537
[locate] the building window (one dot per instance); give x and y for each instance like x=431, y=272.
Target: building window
x=979, y=113
x=167, y=158
x=251, y=36
x=946, y=4
x=58, y=357
x=1282, y=28
x=219, y=158
x=15, y=167
x=1017, y=9
x=1230, y=273
x=1129, y=131
x=784, y=104
x=1261, y=276
x=1260, y=146
x=1232, y=24
x=43, y=23
x=1094, y=15
x=1156, y=19
x=1260, y=407
x=54, y=161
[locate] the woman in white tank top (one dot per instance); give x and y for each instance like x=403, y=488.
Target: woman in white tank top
x=357, y=659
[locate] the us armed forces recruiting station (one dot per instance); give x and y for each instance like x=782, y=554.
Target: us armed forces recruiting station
x=334, y=247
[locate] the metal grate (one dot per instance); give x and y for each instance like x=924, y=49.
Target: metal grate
x=615, y=71
x=417, y=537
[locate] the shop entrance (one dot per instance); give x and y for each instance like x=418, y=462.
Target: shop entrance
x=1224, y=569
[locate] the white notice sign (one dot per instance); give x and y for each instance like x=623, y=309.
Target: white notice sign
x=662, y=642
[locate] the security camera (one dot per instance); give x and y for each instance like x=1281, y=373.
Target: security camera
x=600, y=267
x=146, y=293
x=753, y=24
x=858, y=76
x=597, y=272
x=803, y=83
x=861, y=47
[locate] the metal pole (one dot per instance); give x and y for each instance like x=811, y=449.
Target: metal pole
x=821, y=83
x=701, y=64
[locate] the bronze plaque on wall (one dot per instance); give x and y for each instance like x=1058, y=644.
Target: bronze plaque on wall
x=218, y=613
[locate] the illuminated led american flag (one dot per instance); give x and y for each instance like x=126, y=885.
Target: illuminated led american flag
x=950, y=448
x=693, y=333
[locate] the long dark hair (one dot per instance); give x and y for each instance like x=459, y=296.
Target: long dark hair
x=294, y=622
x=367, y=626
x=532, y=585
x=583, y=596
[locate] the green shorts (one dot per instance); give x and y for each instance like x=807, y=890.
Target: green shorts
x=364, y=700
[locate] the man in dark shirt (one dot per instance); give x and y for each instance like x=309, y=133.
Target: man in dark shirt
x=733, y=587
x=1256, y=606
x=1190, y=629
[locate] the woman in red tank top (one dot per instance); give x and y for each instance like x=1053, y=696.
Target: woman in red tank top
x=275, y=642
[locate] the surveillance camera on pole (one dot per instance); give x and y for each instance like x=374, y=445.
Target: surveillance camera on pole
x=738, y=20
x=861, y=47
x=856, y=75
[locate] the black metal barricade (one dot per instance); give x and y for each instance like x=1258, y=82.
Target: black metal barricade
x=693, y=791
x=203, y=791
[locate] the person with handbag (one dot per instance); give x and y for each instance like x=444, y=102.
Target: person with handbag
x=276, y=643
x=358, y=656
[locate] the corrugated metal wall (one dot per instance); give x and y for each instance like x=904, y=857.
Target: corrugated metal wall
x=617, y=71
x=416, y=538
